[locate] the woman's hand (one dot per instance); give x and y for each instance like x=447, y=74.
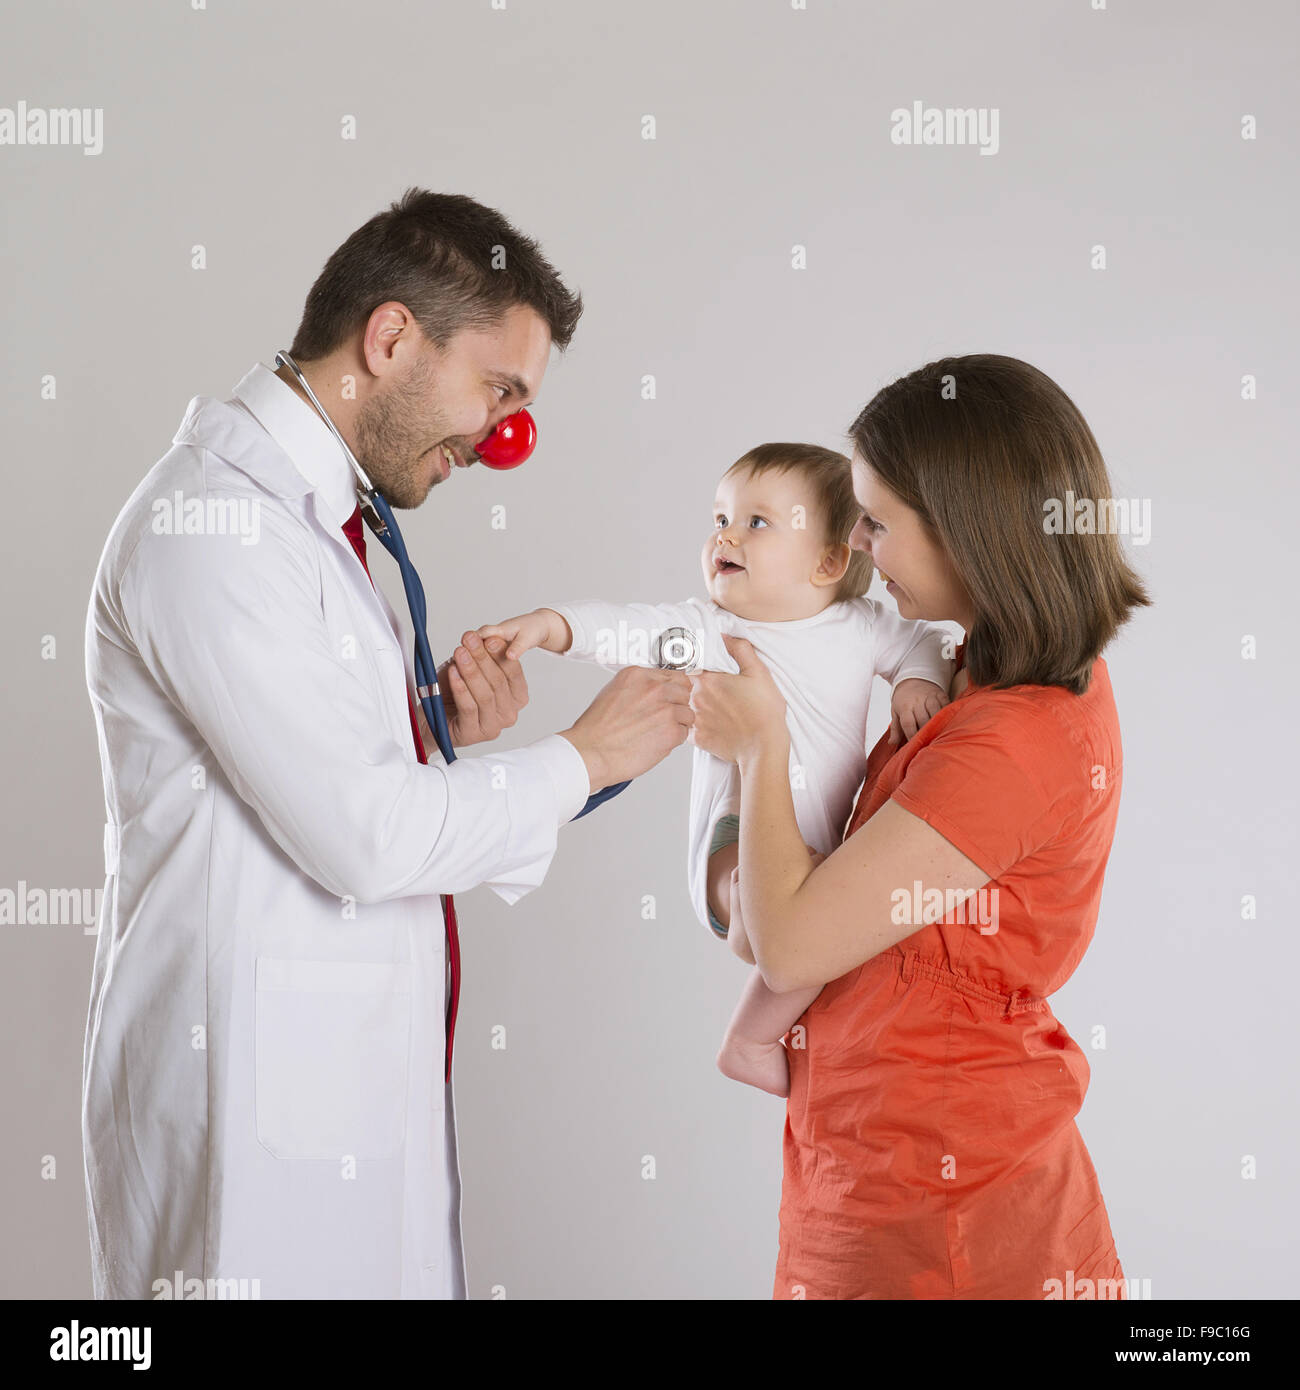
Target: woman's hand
x=737, y=715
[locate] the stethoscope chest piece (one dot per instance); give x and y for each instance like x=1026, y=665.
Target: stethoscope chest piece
x=676, y=649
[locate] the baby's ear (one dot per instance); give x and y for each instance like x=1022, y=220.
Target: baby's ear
x=835, y=560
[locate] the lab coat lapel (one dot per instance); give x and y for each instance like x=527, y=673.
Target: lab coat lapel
x=239, y=439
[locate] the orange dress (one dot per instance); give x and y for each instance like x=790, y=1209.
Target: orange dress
x=930, y=1146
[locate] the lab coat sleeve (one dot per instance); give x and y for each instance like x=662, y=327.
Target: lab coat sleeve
x=614, y=635
x=907, y=648
x=235, y=636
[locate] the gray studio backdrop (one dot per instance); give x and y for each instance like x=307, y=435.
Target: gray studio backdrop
x=1122, y=128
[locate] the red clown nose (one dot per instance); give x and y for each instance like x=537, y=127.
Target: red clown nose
x=511, y=442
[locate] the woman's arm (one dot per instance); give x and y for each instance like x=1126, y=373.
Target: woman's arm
x=810, y=925
x=807, y=925
x=721, y=874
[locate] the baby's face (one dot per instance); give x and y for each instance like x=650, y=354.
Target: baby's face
x=766, y=558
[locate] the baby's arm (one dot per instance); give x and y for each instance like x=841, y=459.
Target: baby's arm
x=914, y=658
x=612, y=635
x=543, y=627
x=913, y=702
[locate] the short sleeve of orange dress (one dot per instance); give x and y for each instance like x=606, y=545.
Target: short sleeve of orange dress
x=930, y=1147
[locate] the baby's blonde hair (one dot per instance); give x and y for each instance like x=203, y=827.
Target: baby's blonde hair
x=830, y=481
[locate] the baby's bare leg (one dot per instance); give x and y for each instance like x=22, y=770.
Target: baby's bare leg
x=751, y=1051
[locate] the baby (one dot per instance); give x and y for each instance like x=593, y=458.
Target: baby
x=780, y=573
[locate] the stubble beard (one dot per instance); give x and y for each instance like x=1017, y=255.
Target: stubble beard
x=392, y=433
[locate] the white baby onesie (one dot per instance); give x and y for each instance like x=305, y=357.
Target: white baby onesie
x=823, y=666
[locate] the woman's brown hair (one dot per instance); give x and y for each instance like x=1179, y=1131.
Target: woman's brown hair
x=985, y=449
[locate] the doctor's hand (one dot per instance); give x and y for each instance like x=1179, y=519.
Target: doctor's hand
x=633, y=723
x=483, y=690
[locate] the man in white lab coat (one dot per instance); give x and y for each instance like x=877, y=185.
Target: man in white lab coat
x=264, y=1095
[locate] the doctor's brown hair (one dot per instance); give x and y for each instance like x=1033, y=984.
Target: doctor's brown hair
x=977, y=461
x=453, y=262
x=831, y=504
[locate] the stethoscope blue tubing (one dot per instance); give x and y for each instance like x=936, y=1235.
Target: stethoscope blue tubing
x=425, y=671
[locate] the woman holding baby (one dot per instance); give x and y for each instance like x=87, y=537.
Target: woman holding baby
x=930, y=1147
x=900, y=994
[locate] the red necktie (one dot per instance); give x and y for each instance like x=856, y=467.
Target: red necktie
x=352, y=529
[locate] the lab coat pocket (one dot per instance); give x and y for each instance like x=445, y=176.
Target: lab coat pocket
x=391, y=684
x=331, y=1044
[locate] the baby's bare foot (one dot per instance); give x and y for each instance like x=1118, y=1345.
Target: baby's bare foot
x=756, y=1064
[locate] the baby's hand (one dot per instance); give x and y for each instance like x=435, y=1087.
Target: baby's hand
x=914, y=701
x=543, y=627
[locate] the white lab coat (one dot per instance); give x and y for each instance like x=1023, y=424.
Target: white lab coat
x=263, y=1070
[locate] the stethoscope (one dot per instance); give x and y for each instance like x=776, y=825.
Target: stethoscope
x=506, y=447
